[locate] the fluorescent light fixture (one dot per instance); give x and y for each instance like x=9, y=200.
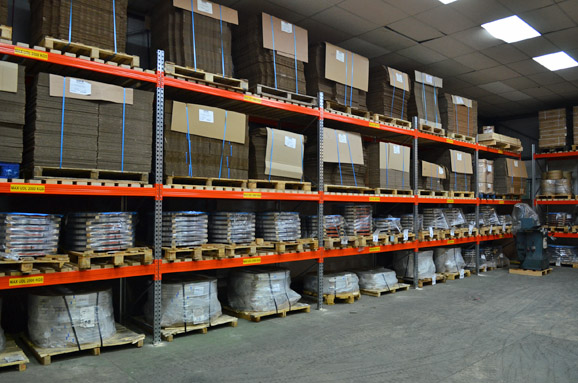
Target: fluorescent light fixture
x=511, y=29
x=556, y=61
x=447, y=1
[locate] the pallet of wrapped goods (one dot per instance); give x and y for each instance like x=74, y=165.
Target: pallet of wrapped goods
x=358, y=219
x=388, y=94
x=341, y=75
x=460, y=170
x=185, y=229
x=485, y=176
x=388, y=166
x=28, y=235
x=553, y=129
x=343, y=286
x=202, y=141
x=500, y=141
x=272, y=54
x=12, y=112
x=459, y=117
x=232, y=228
x=510, y=176
x=279, y=226
x=431, y=179
x=423, y=103
x=201, y=40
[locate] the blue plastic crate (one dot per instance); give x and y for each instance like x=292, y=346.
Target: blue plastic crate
x=9, y=170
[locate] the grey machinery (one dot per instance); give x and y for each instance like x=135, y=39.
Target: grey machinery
x=530, y=238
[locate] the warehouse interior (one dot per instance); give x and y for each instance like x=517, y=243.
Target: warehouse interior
x=164, y=165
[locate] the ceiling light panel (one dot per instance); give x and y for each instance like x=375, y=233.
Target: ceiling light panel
x=556, y=61
x=447, y=1
x=511, y=29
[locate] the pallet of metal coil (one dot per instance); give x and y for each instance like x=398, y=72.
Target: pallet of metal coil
x=423, y=103
x=407, y=222
x=388, y=166
x=200, y=40
x=12, y=111
x=460, y=173
x=553, y=129
x=459, y=117
x=341, y=75
x=358, y=219
x=232, y=228
x=185, y=229
x=334, y=232
x=28, y=235
x=203, y=141
x=388, y=94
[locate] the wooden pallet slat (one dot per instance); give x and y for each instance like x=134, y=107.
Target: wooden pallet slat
x=432, y=193
x=195, y=253
x=256, y=316
x=90, y=259
x=52, y=172
x=27, y=266
x=390, y=290
x=198, y=75
x=344, y=189
x=462, y=137
x=396, y=192
x=206, y=183
x=454, y=276
x=337, y=108
x=331, y=299
x=533, y=273
x=439, y=278
x=387, y=120
x=284, y=95
x=279, y=185
x=6, y=32
x=461, y=194
x=432, y=130
x=13, y=356
x=555, y=197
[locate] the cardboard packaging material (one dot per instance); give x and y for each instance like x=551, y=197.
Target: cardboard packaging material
x=388, y=166
x=210, y=48
x=344, y=159
x=276, y=154
x=215, y=139
x=432, y=176
x=12, y=111
x=553, y=130
x=423, y=102
x=93, y=22
x=486, y=176
x=575, y=124
x=4, y=12
x=389, y=91
x=459, y=115
x=460, y=170
x=341, y=75
x=510, y=176
x=272, y=52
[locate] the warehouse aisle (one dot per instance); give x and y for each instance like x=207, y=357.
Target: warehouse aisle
x=493, y=328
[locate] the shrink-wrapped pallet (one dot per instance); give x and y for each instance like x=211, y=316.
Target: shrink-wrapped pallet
x=28, y=235
x=261, y=289
x=358, y=220
x=70, y=317
x=186, y=301
x=469, y=256
x=454, y=217
x=562, y=253
x=232, y=228
x=334, y=226
x=104, y=231
x=408, y=223
x=279, y=226
x=185, y=228
x=489, y=215
x=334, y=283
x=404, y=265
x=389, y=225
x=376, y=279
x=448, y=259
x=434, y=218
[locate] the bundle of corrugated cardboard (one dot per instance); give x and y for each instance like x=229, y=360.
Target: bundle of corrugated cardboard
x=202, y=141
x=431, y=176
x=510, y=176
x=83, y=126
x=388, y=166
x=94, y=23
x=4, y=12
x=341, y=75
x=485, y=176
x=459, y=115
x=575, y=124
x=12, y=109
x=553, y=131
x=389, y=91
x=460, y=170
x=343, y=158
x=500, y=141
x=272, y=52
x=276, y=155
x=201, y=39
x=424, y=100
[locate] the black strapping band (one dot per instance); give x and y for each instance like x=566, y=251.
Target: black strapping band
x=98, y=320
x=71, y=323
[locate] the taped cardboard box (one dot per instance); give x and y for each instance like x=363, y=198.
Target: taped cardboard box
x=459, y=114
x=341, y=75
x=12, y=111
x=510, y=176
x=388, y=165
x=424, y=99
x=431, y=176
x=553, y=128
x=460, y=170
x=215, y=151
x=276, y=154
x=272, y=52
x=389, y=91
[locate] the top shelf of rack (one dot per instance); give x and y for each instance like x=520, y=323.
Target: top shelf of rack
x=557, y=155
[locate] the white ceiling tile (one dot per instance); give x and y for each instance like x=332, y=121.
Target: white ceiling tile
x=341, y=19
x=538, y=91
x=477, y=38
x=516, y=96
x=446, y=20
x=376, y=11
x=421, y=54
x=564, y=40
x=305, y=7
x=413, y=7
x=253, y=7
x=570, y=8
x=489, y=75
x=445, y=68
x=453, y=84
x=414, y=29
x=536, y=47
x=363, y=48
x=497, y=87
x=481, y=11
x=517, y=6
x=448, y=47
x=569, y=74
x=527, y=67
x=505, y=53
x=477, y=61
x=394, y=60
x=387, y=39
x=474, y=92
x=318, y=32
x=520, y=83
x=546, y=78
x=548, y=19
x=563, y=88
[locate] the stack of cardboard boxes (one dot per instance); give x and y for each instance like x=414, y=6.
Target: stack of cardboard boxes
x=424, y=100
x=485, y=176
x=12, y=107
x=276, y=155
x=431, y=176
x=388, y=166
x=553, y=131
x=389, y=91
x=460, y=170
x=459, y=115
x=510, y=176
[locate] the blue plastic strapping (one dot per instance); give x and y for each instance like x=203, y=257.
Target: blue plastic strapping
x=70, y=24
x=435, y=104
x=123, y=120
x=271, y=154
x=295, y=54
x=468, y=120
x=62, y=119
x=351, y=160
x=114, y=23
x=223, y=146
x=351, y=82
x=338, y=159
x=402, y=104
x=222, y=49
x=274, y=61
x=189, y=154
x=403, y=167
x=345, y=78
x=194, y=42
x=457, y=122
x=392, y=100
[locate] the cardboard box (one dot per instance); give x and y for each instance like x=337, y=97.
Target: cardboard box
x=553, y=128
x=459, y=115
x=486, y=171
x=389, y=166
x=460, y=170
x=276, y=154
x=510, y=176
x=389, y=91
x=346, y=67
x=12, y=112
x=432, y=176
x=424, y=99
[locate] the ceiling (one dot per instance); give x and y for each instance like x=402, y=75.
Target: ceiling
x=447, y=41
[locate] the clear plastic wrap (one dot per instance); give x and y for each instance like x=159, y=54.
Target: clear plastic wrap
x=454, y=217
x=407, y=222
x=28, y=235
x=548, y=187
x=471, y=219
x=434, y=218
x=562, y=254
x=490, y=216
x=388, y=225
x=232, y=228
x=376, y=279
x=358, y=219
x=469, y=256
x=563, y=186
x=333, y=225
x=185, y=228
x=335, y=283
x=186, y=301
x=279, y=226
x=522, y=210
x=559, y=219
x=108, y=231
x=261, y=289
x=403, y=264
x=65, y=317
x=449, y=259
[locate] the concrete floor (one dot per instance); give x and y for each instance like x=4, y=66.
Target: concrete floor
x=493, y=328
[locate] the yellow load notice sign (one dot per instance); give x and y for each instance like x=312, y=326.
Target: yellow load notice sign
x=251, y=261
x=13, y=282
x=31, y=53
x=15, y=188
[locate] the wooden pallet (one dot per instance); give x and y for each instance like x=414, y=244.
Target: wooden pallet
x=13, y=356
x=557, y=149
x=80, y=182
x=5, y=32
x=331, y=299
x=432, y=130
x=49, y=172
x=95, y=53
x=342, y=189
x=198, y=75
x=555, y=197
x=345, y=242
x=391, y=290
x=438, y=235
x=533, y=273
x=284, y=95
x=461, y=194
x=432, y=193
x=130, y=257
x=383, y=239
x=256, y=316
x=205, y=183
x=482, y=269
x=461, y=137
x=573, y=265
x=168, y=333
x=439, y=278
x=501, y=145
x=299, y=246
x=279, y=185
x=574, y=148
x=46, y=264
x=508, y=197
x=396, y=192
x=556, y=229
x=490, y=268
x=387, y=120
x=249, y=250
x=197, y=253
x=122, y=337
x=454, y=276
x=399, y=238
x=334, y=107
